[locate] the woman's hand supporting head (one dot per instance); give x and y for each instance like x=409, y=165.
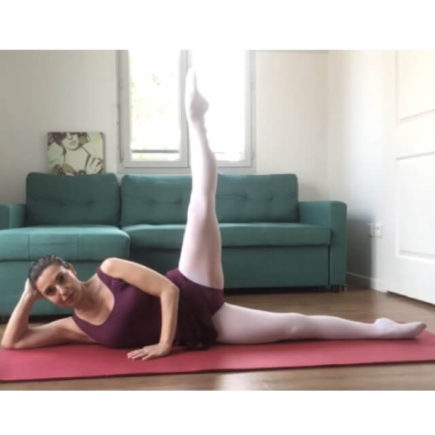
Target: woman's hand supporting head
x=30, y=291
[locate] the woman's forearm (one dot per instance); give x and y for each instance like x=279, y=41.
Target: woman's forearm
x=169, y=303
x=18, y=324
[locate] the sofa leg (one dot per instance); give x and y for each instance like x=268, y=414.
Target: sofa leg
x=338, y=288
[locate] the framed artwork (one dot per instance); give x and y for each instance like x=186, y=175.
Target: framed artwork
x=75, y=153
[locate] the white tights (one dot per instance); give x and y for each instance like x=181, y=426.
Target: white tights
x=240, y=325
x=200, y=260
x=200, y=257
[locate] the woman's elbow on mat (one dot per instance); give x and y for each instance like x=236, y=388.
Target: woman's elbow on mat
x=6, y=345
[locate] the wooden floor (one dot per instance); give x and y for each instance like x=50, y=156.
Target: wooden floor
x=356, y=304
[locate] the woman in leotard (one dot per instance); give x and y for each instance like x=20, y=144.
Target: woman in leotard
x=126, y=304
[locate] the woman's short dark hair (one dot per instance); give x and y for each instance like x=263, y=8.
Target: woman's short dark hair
x=42, y=263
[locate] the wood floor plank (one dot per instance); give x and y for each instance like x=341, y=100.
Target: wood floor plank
x=356, y=304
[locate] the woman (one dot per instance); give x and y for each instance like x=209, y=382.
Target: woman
x=129, y=305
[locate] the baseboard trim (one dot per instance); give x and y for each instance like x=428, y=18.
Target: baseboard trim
x=365, y=281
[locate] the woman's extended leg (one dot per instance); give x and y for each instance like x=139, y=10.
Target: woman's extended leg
x=239, y=325
x=200, y=258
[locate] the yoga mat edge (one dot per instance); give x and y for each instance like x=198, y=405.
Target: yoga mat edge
x=95, y=361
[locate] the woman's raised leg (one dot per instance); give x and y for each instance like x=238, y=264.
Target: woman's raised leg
x=239, y=325
x=200, y=258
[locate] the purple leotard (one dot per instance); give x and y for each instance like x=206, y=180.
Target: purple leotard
x=135, y=320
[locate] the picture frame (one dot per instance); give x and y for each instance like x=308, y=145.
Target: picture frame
x=75, y=153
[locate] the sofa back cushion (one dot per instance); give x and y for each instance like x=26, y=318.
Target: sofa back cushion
x=66, y=200
x=257, y=198
x=155, y=199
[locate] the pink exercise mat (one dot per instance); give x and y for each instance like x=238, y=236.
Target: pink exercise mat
x=88, y=361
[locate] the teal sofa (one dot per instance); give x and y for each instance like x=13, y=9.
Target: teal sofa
x=269, y=238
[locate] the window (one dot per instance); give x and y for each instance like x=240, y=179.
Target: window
x=153, y=127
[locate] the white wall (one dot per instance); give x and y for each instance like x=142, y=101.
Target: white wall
x=291, y=118
x=44, y=91
x=361, y=116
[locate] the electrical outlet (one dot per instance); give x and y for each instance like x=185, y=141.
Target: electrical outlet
x=379, y=230
x=376, y=229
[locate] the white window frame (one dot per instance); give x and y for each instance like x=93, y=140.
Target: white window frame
x=129, y=165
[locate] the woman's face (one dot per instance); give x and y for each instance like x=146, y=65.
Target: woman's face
x=60, y=285
x=71, y=141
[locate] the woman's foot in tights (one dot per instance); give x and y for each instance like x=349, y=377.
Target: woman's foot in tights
x=196, y=104
x=389, y=329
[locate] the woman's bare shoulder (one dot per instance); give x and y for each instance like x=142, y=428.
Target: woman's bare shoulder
x=112, y=265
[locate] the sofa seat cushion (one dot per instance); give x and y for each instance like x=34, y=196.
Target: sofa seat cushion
x=80, y=242
x=275, y=234
x=249, y=234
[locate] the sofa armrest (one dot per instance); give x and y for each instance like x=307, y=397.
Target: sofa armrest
x=12, y=216
x=331, y=214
